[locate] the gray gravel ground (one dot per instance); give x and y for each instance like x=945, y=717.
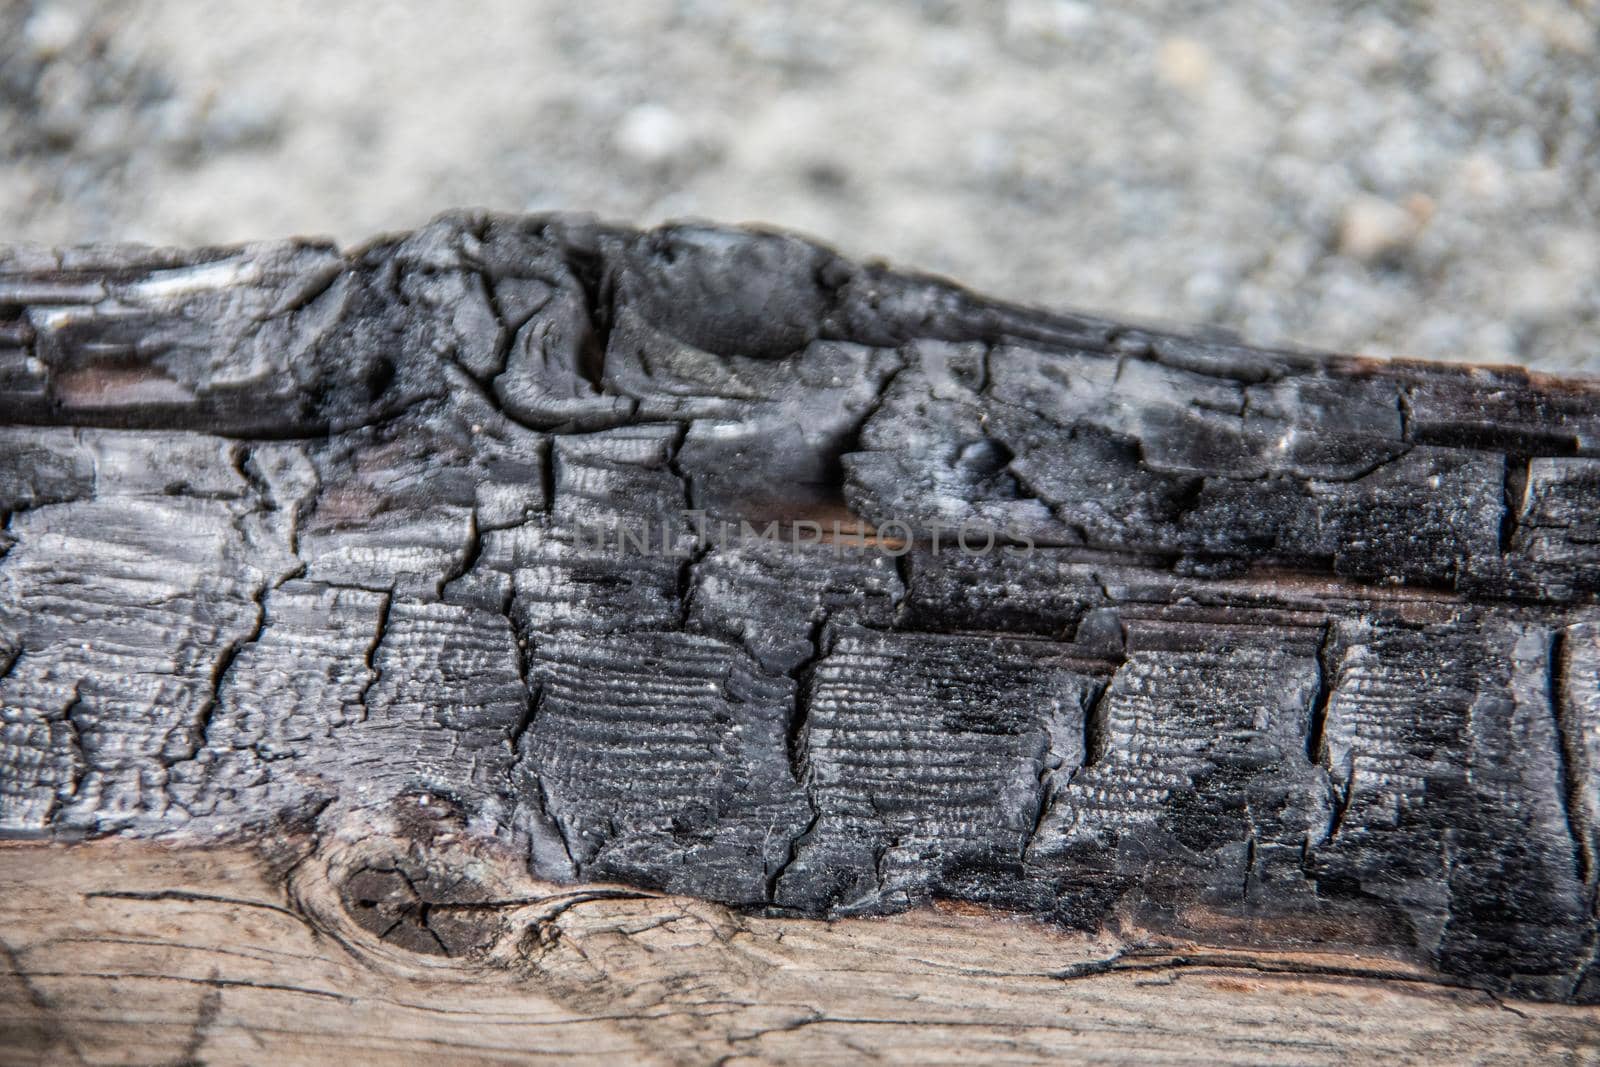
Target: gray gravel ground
x=1397, y=178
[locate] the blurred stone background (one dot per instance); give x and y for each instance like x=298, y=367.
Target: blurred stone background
x=1403, y=177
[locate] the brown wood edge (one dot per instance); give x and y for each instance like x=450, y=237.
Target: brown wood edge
x=306, y=948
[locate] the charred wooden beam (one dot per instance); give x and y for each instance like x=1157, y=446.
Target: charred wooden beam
x=706, y=562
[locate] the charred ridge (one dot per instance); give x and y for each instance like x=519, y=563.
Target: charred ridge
x=1229, y=610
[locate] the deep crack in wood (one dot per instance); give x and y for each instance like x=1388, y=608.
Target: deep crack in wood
x=1271, y=648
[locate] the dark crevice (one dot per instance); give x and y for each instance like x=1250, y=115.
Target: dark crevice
x=547, y=473
x=200, y=732
x=1569, y=755
x=1053, y=774
x=244, y=465
x=1340, y=789
x=158, y=895
x=469, y=555
x=1515, y=489
x=563, y=901
x=905, y=570
x=982, y=387
x=1096, y=725
x=792, y=852
x=1580, y=977
x=79, y=758
x=1026, y=489
x=590, y=896
x=1146, y=960
x=1046, y=790
x=369, y=659
x=702, y=546
x=214, y=983
x=1356, y=474
x=799, y=720
x=674, y=448
x=1249, y=868
x=523, y=644
x=1327, y=675
x=224, y=424
x=9, y=658
x=315, y=286
x=1343, y=793
x=851, y=441
x=590, y=271
x=464, y=379
x=530, y=711
x=685, y=580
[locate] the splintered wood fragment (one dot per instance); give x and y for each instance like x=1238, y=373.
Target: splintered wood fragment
x=517, y=564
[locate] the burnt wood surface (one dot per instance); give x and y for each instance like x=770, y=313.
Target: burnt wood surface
x=1269, y=649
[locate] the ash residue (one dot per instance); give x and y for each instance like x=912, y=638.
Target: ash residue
x=1396, y=178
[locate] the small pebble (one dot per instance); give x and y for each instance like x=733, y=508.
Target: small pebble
x=1184, y=64
x=1373, y=227
x=651, y=134
x=51, y=30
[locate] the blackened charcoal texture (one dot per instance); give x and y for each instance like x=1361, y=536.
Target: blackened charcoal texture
x=705, y=560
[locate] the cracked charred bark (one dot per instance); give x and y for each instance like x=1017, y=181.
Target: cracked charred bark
x=1274, y=650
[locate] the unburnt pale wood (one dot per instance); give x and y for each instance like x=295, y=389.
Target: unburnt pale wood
x=461, y=607
x=132, y=953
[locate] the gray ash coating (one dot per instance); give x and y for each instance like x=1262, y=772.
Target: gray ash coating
x=1395, y=178
x=1304, y=652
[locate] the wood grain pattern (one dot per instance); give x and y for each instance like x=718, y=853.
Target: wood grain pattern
x=649, y=557
x=145, y=954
